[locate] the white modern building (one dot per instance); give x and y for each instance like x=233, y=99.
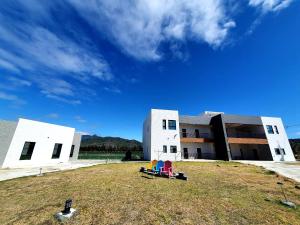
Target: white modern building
x=214, y=135
x=28, y=143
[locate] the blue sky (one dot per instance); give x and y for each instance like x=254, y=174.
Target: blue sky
x=101, y=65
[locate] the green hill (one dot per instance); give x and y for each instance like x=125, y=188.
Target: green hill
x=97, y=143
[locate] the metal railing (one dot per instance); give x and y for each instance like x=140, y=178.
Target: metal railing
x=194, y=155
x=195, y=135
x=246, y=135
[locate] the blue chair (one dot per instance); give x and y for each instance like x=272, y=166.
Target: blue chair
x=159, y=165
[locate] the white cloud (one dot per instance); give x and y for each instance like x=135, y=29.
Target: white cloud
x=270, y=5
x=79, y=119
x=13, y=98
x=53, y=116
x=139, y=26
x=83, y=133
x=113, y=90
x=46, y=50
x=70, y=101
x=47, y=55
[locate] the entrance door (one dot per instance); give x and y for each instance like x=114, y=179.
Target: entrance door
x=199, y=153
x=185, y=153
x=255, y=153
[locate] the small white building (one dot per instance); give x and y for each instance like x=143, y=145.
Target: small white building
x=29, y=143
x=214, y=135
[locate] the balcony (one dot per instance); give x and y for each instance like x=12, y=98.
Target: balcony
x=247, y=138
x=195, y=137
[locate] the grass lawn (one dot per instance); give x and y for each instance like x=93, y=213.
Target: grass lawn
x=216, y=193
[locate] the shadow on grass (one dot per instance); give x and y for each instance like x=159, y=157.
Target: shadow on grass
x=147, y=177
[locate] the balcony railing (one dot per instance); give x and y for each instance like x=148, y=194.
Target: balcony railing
x=195, y=135
x=246, y=135
x=203, y=155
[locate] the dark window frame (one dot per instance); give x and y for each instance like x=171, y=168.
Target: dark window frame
x=164, y=124
x=165, y=149
x=172, y=124
x=72, y=151
x=56, y=151
x=197, y=133
x=276, y=129
x=172, y=147
x=183, y=132
x=29, y=150
x=270, y=129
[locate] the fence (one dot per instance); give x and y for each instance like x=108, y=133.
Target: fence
x=117, y=155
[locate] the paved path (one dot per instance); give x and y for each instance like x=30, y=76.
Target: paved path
x=7, y=174
x=287, y=169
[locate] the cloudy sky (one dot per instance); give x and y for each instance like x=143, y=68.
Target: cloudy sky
x=100, y=65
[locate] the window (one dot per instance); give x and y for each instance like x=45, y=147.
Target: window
x=56, y=151
x=197, y=133
x=172, y=124
x=276, y=129
x=277, y=151
x=270, y=129
x=173, y=149
x=27, y=150
x=184, y=133
x=164, y=124
x=164, y=149
x=72, y=151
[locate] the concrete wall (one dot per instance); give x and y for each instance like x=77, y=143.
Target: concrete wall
x=278, y=140
x=76, y=142
x=45, y=135
x=159, y=137
x=7, y=130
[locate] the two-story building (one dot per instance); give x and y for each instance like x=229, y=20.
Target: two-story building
x=214, y=135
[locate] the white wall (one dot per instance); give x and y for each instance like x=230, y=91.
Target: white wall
x=76, y=142
x=45, y=135
x=278, y=140
x=160, y=137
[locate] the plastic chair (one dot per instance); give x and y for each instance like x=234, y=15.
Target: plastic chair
x=149, y=166
x=167, y=170
x=154, y=163
x=159, y=166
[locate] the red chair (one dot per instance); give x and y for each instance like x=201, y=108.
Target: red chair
x=167, y=170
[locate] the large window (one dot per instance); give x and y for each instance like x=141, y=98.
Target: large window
x=72, y=151
x=56, y=151
x=164, y=124
x=270, y=129
x=172, y=124
x=173, y=149
x=164, y=149
x=184, y=133
x=27, y=150
x=276, y=129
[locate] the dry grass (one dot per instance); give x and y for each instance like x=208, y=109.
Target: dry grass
x=230, y=193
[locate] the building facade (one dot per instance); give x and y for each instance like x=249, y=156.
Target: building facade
x=28, y=143
x=214, y=135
